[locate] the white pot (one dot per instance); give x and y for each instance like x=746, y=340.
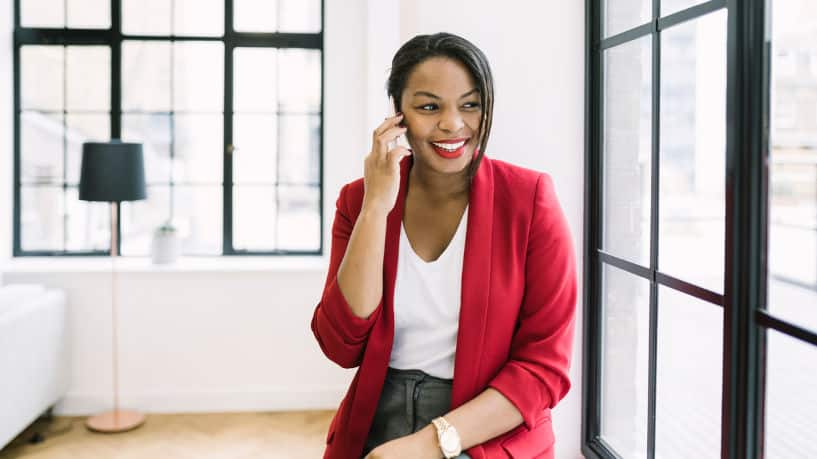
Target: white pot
x=166, y=247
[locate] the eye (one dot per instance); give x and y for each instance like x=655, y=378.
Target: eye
x=428, y=107
x=471, y=105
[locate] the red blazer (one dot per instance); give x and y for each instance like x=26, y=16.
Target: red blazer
x=516, y=316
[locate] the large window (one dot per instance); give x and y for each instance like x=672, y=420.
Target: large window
x=224, y=95
x=701, y=229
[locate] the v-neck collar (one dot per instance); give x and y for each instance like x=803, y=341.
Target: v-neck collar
x=455, y=240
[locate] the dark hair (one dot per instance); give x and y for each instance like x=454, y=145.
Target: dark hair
x=423, y=47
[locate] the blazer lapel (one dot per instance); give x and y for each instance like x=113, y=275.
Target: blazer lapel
x=476, y=277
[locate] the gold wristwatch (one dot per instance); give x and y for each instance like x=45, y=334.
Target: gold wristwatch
x=448, y=438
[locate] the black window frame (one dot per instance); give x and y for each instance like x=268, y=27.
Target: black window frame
x=744, y=299
x=113, y=38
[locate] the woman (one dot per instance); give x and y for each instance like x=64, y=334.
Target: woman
x=451, y=282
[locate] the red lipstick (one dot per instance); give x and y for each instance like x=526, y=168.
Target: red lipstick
x=447, y=152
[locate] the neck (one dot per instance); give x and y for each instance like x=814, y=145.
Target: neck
x=437, y=187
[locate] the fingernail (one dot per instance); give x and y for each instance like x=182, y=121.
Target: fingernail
x=399, y=114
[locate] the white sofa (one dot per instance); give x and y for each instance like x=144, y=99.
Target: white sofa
x=33, y=355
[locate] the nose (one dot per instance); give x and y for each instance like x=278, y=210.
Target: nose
x=450, y=121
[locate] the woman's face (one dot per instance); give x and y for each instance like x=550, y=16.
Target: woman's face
x=442, y=112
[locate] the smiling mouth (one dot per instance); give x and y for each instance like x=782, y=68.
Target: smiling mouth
x=450, y=149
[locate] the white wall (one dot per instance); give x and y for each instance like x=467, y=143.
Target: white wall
x=536, y=52
x=234, y=334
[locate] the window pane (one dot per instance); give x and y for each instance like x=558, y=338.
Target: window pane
x=141, y=218
x=791, y=402
x=300, y=149
x=255, y=138
x=83, y=128
x=622, y=15
x=198, y=77
x=793, y=216
x=41, y=147
x=153, y=131
x=627, y=150
x=625, y=363
x=299, y=15
x=88, y=78
x=299, y=221
x=255, y=15
x=198, y=17
x=673, y=6
x=146, y=17
x=42, y=13
x=254, y=214
x=689, y=377
x=197, y=212
x=89, y=14
x=146, y=76
x=693, y=144
x=41, y=218
x=41, y=77
x=792, y=232
x=199, y=147
x=299, y=83
x=255, y=81
x=87, y=224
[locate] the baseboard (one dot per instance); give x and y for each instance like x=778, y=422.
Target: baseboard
x=74, y=404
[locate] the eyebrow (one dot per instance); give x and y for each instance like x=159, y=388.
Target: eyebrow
x=434, y=96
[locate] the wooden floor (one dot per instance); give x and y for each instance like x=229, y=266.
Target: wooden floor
x=290, y=435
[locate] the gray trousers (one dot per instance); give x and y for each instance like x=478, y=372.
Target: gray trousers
x=409, y=401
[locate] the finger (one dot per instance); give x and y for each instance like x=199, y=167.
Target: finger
x=382, y=141
x=388, y=123
x=397, y=154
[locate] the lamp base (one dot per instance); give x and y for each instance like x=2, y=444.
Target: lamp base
x=115, y=421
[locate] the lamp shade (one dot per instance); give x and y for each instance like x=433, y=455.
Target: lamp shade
x=112, y=172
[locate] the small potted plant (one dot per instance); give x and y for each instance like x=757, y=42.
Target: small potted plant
x=166, y=244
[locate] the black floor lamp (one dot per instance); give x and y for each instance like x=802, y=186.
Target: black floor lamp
x=113, y=172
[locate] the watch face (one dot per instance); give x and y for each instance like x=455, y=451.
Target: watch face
x=449, y=440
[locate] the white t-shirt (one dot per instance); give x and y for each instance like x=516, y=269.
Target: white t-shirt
x=427, y=306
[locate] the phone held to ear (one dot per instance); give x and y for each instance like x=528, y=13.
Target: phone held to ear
x=401, y=141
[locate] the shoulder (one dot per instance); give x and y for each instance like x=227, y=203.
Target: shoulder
x=518, y=183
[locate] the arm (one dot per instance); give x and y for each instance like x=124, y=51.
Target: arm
x=469, y=420
x=353, y=290
x=353, y=294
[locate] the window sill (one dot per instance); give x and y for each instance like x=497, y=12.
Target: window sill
x=309, y=264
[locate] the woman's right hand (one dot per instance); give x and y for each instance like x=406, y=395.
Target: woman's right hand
x=381, y=175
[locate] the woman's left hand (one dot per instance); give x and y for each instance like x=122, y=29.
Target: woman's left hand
x=419, y=445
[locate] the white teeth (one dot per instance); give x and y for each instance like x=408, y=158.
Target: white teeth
x=449, y=146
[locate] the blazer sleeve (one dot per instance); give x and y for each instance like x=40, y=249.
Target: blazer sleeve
x=342, y=336
x=535, y=377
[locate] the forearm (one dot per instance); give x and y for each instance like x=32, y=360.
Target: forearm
x=360, y=275
x=484, y=417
